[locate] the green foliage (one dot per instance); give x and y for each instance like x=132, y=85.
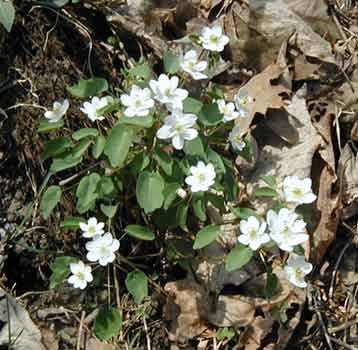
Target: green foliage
x=118, y=143
x=265, y=192
x=88, y=88
x=56, y=147
x=66, y=162
x=85, y=132
x=98, y=146
x=271, y=285
x=109, y=210
x=137, y=284
x=206, y=235
x=243, y=213
x=60, y=270
x=149, y=191
x=192, y=105
x=45, y=126
x=210, y=115
x=238, y=257
x=171, y=62
x=140, y=232
x=72, y=222
x=108, y=323
x=49, y=200
x=86, y=192
x=7, y=14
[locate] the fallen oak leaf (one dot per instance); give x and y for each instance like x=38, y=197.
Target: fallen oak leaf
x=264, y=93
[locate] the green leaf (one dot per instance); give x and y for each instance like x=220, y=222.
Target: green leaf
x=109, y=210
x=199, y=208
x=230, y=184
x=271, y=285
x=195, y=147
x=216, y=200
x=299, y=250
x=140, y=232
x=225, y=334
x=55, y=147
x=141, y=70
x=81, y=148
x=80, y=134
x=137, y=284
x=60, y=270
x=55, y=3
x=145, y=122
x=164, y=160
x=87, y=88
x=108, y=323
x=106, y=186
x=49, y=200
x=216, y=160
x=149, y=191
x=98, y=146
x=171, y=62
x=192, y=105
x=118, y=144
x=139, y=163
x=243, y=213
x=86, y=192
x=45, y=126
x=206, y=235
x=7, y=14
x=238, y=257
x=67, y=162
x=270, y=181
x=169, y=194
x=265, y=192
x=72, y=222
x=182, y=215
x=210, y=115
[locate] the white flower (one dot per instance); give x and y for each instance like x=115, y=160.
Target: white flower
x=181, y=193
x=242, y=101
x=235, y=137
x=298, y=191
x=102, y=249
x=202, y=177
x=191, y=65
x=286, y=229
x=213, y=39
x=178, y=127
x=228, y=110
x=138, y=102
x=58, y=111
x=253, y=233
x=81, y=275
x=92, y=229
x=92, y=109
x=166, y=91
x=296, y=270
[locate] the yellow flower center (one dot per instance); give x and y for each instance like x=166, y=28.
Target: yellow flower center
x=92, y=229
x=214, y=38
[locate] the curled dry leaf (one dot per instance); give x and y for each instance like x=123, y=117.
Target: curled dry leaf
x=187, y=308
x=20, y=324
x=258, y=30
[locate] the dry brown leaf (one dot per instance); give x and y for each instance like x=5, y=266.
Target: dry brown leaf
x=232, y=311
x=258, y=31
x=95, y=344
x=187, y=307
x=253, y=335
x=348, y=176
x=265, y=94
x=23, y=332
x=49, y=339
